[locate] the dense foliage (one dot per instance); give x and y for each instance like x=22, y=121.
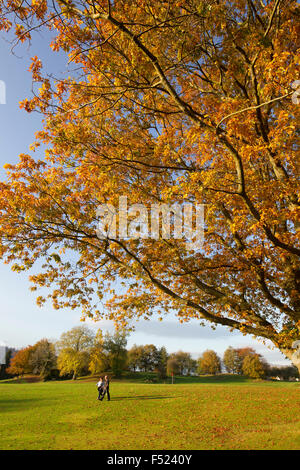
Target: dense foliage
x=169, y=102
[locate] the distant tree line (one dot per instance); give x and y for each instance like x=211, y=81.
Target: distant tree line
x=82, y=351
x=246, y=361
x=79, y=351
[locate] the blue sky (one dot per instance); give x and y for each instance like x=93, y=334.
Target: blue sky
x=21, y=321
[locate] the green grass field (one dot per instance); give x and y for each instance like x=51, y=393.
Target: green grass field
x=194, y=413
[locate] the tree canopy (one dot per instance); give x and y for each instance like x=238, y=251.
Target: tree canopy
x=170, y=102
x=209, y=363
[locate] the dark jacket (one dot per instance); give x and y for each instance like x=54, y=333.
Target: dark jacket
x=106, y=385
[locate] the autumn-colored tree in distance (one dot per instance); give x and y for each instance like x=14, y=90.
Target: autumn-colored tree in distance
x=172, y=101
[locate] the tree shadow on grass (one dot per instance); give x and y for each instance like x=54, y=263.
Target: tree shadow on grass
x=22, y=404
x=21, y=381
x=142, y=397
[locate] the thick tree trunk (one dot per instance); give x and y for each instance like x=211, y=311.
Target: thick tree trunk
x=293, y=355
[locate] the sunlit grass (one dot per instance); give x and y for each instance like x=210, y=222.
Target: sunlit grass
x=210, y=413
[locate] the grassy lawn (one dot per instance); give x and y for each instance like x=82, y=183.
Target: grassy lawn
x=194, y=413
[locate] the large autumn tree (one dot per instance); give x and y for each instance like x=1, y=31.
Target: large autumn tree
x=169, y=101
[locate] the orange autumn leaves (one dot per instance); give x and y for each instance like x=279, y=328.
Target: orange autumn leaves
x=166, y=103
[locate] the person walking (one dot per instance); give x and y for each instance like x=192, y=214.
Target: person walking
x=105, y=388
x=100, y=386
